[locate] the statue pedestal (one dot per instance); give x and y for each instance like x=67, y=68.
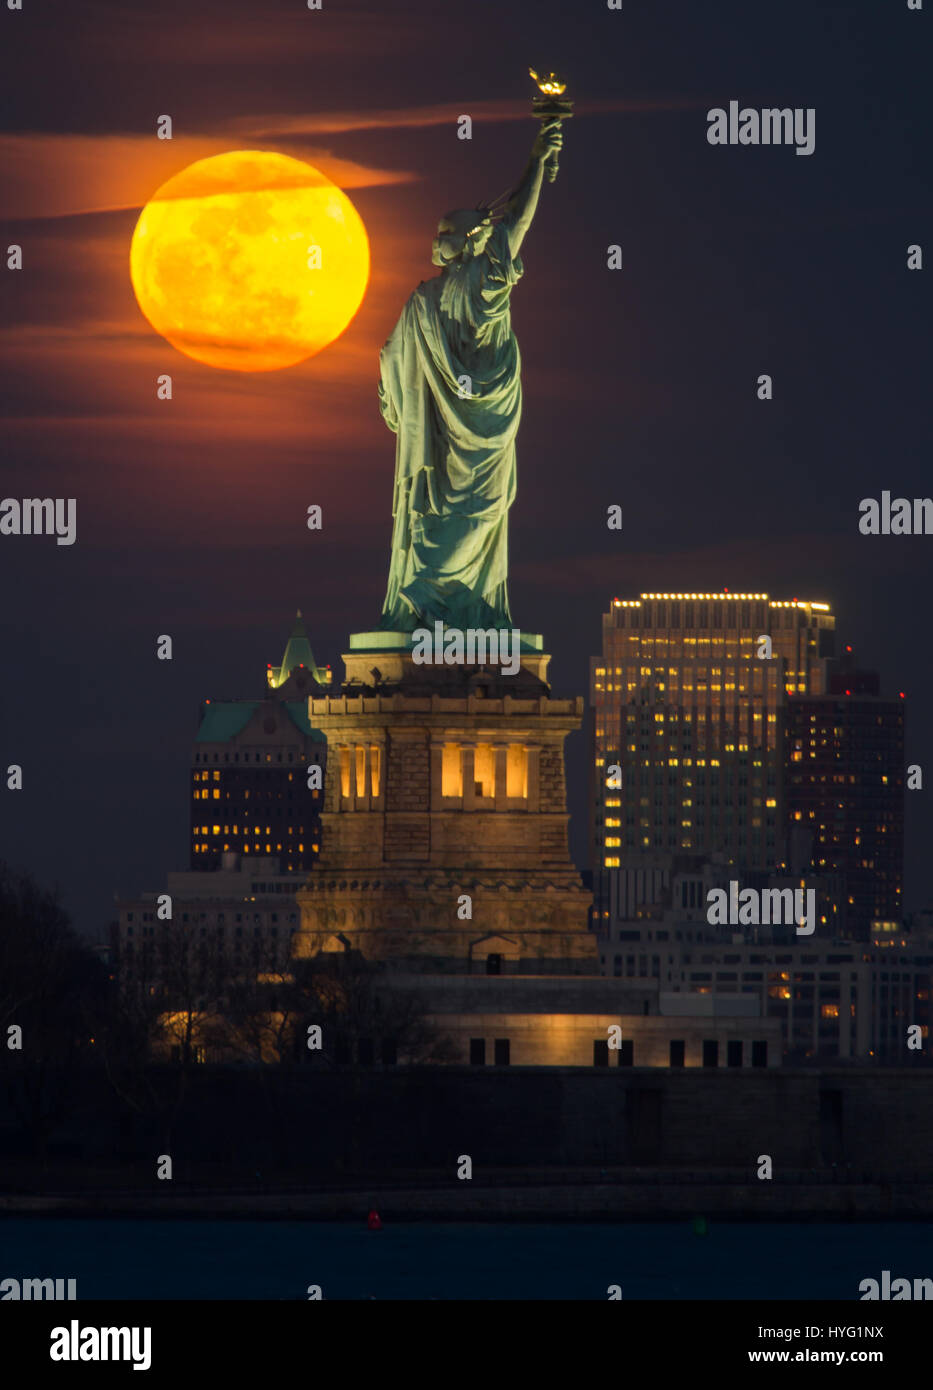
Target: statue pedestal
x=444, y=824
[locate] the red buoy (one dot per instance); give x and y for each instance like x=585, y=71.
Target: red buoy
x=373, y=1220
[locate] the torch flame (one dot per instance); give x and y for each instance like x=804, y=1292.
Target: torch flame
x=551, y=86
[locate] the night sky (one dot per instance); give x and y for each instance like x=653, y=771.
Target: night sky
x=640, y=386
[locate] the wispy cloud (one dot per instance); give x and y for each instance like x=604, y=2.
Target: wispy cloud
x=56, y=176
x=422, y=117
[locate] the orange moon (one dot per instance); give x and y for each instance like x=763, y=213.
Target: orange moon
x=249, y=261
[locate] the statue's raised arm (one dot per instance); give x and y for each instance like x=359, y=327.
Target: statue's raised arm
x=521, y=207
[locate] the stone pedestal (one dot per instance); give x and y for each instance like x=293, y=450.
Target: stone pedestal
x=444, y=825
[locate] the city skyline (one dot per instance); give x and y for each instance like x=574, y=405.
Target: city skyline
x=734, y=725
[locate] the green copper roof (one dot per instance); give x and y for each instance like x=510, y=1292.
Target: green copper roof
x=222, y=720
x=297, y=653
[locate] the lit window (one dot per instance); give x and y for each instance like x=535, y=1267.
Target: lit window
x=451, y=770
x=516, y=773
x=484, y=770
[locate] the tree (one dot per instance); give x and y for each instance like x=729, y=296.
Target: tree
x=363, y=1015
x=54, y=988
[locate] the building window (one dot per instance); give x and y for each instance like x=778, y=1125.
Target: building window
x=501, y=1049
x=367, y=1052
x=760, y=1053
x=451, y=770
x=734, y=1052
x=477, y=1052
x=375, y=768
x=494, y=964
x=484, y=770
x=626, y=1053
x=360, y=771
x=389, y=1052
x=678, y=1048
x=710, y=1052
x=344, y=772
x=601, y=1052
x=516, y=771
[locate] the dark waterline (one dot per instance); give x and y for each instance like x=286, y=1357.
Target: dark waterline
x=191, y=1259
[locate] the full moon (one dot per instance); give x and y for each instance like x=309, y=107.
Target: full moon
x=249, y=261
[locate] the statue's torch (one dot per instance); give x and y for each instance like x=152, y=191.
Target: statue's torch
x=550, y=104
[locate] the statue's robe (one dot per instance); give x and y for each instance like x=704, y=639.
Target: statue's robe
x=455, y=448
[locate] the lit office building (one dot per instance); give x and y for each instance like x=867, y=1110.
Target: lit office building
x=251, y=789
x=688, y=723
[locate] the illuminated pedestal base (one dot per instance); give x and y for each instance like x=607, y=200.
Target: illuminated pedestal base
x=444, y=827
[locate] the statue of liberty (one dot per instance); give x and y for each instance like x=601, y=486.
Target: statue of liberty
x=450, y=390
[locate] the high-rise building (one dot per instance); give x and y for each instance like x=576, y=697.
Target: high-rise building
x=688, y=711
x=253, y=791
x=845, y=793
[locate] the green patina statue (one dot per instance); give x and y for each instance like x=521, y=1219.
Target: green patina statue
x=451, y=392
